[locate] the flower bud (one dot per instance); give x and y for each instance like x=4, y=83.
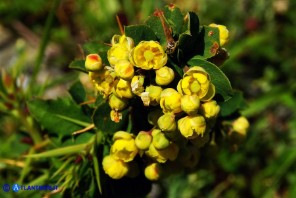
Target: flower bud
x=122, y=135
x=123, y=89
x=152, y=171
x=153, y=93
x=223, y=33
x=154, y=132
x=192, y=126
x=164, y=76
x=154, y=115
x=167, y=122
x=161, y=156
x=93, y=62
x=170, y=101
x=210, y=109
x=143, y=140
x=241, y=125
x=160, y=141
x=116, y=169
x=137, y=84
x=148, y=55
x=195, y=81
x=171, y=152
x=190, y=104
x=116, y=103
x=124, y=147
x=124, y=69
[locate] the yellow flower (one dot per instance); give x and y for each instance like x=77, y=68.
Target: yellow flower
x=151, y=96
x=124, y=147
x=143, y=140
x=170, y=101
x=123, y=89
x=164, y=76
x=116, y=169
x=167, y=122
x=241, y=125
x=117, y=103
x=223, y=33
x=120, y=50
x=196, y=81
x=161, y=156
x=160, y=141
x=152, y=171
x=148, y=55
x=190, y=104
x=124, y=69
x=209, y=109
x=93, y=62
x=192, y=126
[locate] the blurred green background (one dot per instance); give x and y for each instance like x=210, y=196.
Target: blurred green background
x=43, y=37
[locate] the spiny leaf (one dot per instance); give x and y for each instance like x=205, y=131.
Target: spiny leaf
x=56, y=115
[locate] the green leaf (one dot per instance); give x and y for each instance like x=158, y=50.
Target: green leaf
x=77, y=92
x=209, y=42
x=103, y=122
x=187, y=42
x=60, y=151
x=52, y=114
x=78, y=65
x=174, y=18
x=139, y=33
x=154, y=23
x=219, y=79
x=236, y=102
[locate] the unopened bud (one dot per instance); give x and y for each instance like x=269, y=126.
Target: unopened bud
x=190, y=104
x=241, y=125
x=160, y=141
x=123, y=89
x=116, y=103
x=143, y=140
x=152, y=171
x=164, y=76
x=192, y=126
x=116, y=169
x=170, y=101
x=93, y=62
x=124, y=69
x=210, y=109
x=167, y=122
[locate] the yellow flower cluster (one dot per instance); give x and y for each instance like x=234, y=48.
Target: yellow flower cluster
x=117, y=82
x=182, y=110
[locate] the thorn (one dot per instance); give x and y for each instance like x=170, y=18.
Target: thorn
x=84, y=130
x=88, y=102
x=119, y=25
